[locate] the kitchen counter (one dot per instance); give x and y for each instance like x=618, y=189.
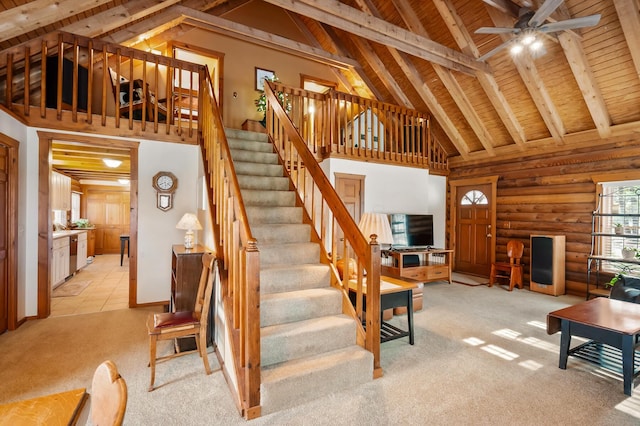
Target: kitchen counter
x=70, y=232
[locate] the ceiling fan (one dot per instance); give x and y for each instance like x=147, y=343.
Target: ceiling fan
x=530, y=24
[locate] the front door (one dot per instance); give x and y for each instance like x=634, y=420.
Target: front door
x=474, y=229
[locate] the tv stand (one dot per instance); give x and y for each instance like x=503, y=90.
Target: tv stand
x=422, y=265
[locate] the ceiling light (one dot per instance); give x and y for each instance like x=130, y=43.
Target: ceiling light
x=528, y=39
x=111, y=163
x=123, y=181
x=536, y=45
x=516, y=49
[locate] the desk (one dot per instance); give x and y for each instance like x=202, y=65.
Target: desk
x=124, y=239
x=58, y=409
x=394, y=293
x=613, y=326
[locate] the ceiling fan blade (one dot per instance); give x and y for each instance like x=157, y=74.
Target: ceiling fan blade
x=495, y=50
x=547, y=8
x=497, y=30
x=569, y=24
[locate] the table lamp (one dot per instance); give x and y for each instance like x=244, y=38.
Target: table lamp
x=189, y=222
x=378, y=224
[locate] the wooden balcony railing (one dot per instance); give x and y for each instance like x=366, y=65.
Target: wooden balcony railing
x=336, y=124
x=339, y=235
x=69, y=82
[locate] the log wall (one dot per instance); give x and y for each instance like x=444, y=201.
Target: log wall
x=555, y=194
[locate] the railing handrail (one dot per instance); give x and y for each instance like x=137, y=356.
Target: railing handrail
x=367, y=255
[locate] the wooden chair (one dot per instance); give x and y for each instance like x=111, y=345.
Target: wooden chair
x=511, y=270
x=108, y=396
x=172, y=325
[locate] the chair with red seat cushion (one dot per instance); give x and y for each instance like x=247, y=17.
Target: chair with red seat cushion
x=172, y=325
x=511, y=270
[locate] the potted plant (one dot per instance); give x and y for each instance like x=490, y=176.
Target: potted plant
x=629, y=253
x=618, y=228
x=261, y=102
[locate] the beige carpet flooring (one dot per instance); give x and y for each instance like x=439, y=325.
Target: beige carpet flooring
x=482, y=357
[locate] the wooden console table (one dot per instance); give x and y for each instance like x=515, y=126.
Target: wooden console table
x=419, y=265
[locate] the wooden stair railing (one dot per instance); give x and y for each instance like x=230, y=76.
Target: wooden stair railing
x=83, y=96
x=240, y=277
x=330, y=218
x=336, y=124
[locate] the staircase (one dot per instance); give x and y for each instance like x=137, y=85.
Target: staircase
x=308, y=347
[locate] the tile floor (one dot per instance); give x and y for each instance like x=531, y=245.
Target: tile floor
x=108, y=290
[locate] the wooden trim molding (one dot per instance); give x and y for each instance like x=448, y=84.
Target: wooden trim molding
x=13, y=147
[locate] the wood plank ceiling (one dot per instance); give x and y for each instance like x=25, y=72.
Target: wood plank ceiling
x=421, y=54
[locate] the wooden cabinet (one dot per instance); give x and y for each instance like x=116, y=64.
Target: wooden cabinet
x=108, y=210
x=60, y=261
x=60, y=191
x=186, y=267
x=418, y=265
x=91, y=242
x=82, y=251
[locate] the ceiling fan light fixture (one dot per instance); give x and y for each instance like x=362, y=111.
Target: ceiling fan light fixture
x=536, y=45
x=528, y=39
x=516, y=49
x=111, y=163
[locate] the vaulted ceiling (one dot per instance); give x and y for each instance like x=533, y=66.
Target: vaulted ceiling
x=421, y=54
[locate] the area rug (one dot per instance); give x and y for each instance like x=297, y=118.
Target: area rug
x=70, y=288
x=470, y=280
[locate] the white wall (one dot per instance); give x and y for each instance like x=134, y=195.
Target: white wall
x=395, y=189
x=156, y=229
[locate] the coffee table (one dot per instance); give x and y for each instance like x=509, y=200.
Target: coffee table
x=613, y=327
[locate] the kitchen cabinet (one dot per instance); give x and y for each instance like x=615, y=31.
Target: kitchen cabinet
x=82, y=251
x=60, y=261
x=108, y=210
x=60, y=191
x=91, y=242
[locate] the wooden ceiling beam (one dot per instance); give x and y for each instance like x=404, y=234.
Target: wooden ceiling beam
x=263, y=38
x=449, y=81
x=539, y=94
x=147, y=28
x=629, y=14
x=360, y=24
x=464, y=40
x=117, y=17
x=39, y=13
x=381, y=71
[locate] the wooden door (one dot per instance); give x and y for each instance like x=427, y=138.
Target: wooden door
x=350, y=189
x=474, y=218
x=108, y=210
x=4, y=214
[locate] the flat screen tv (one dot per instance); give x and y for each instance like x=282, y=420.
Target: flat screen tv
x=411, y=230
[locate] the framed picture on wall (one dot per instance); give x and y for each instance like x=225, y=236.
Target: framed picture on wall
x=261, y=74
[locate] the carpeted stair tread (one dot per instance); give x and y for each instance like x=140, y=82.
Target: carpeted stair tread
x=245, y=135
x=249, y=145
x=274, y=214
x=257, y=169
x=294, y=382
x=253, y=197
x=281, y=233
x=287, y=277
x=270, y=183
x=290, y=306
x=291, y=253
x=254, y=157
x=290, y=341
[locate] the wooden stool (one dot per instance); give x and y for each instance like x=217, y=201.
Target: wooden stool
x=124, y=239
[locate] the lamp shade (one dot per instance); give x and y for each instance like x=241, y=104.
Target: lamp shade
x=189, y=221
x=376, y=223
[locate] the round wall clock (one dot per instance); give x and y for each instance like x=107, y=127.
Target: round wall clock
x=165, y=182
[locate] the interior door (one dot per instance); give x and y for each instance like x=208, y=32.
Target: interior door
x=473, y=229
x=4, y=215
x=349, y=188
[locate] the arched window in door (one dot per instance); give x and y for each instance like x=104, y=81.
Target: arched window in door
x=474, y=197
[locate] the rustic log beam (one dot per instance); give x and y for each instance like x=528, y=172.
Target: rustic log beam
x=362, y=25
x=465, y=41
x=629, y=15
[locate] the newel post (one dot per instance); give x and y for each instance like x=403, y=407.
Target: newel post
x=252, y=324
x=373, y=305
